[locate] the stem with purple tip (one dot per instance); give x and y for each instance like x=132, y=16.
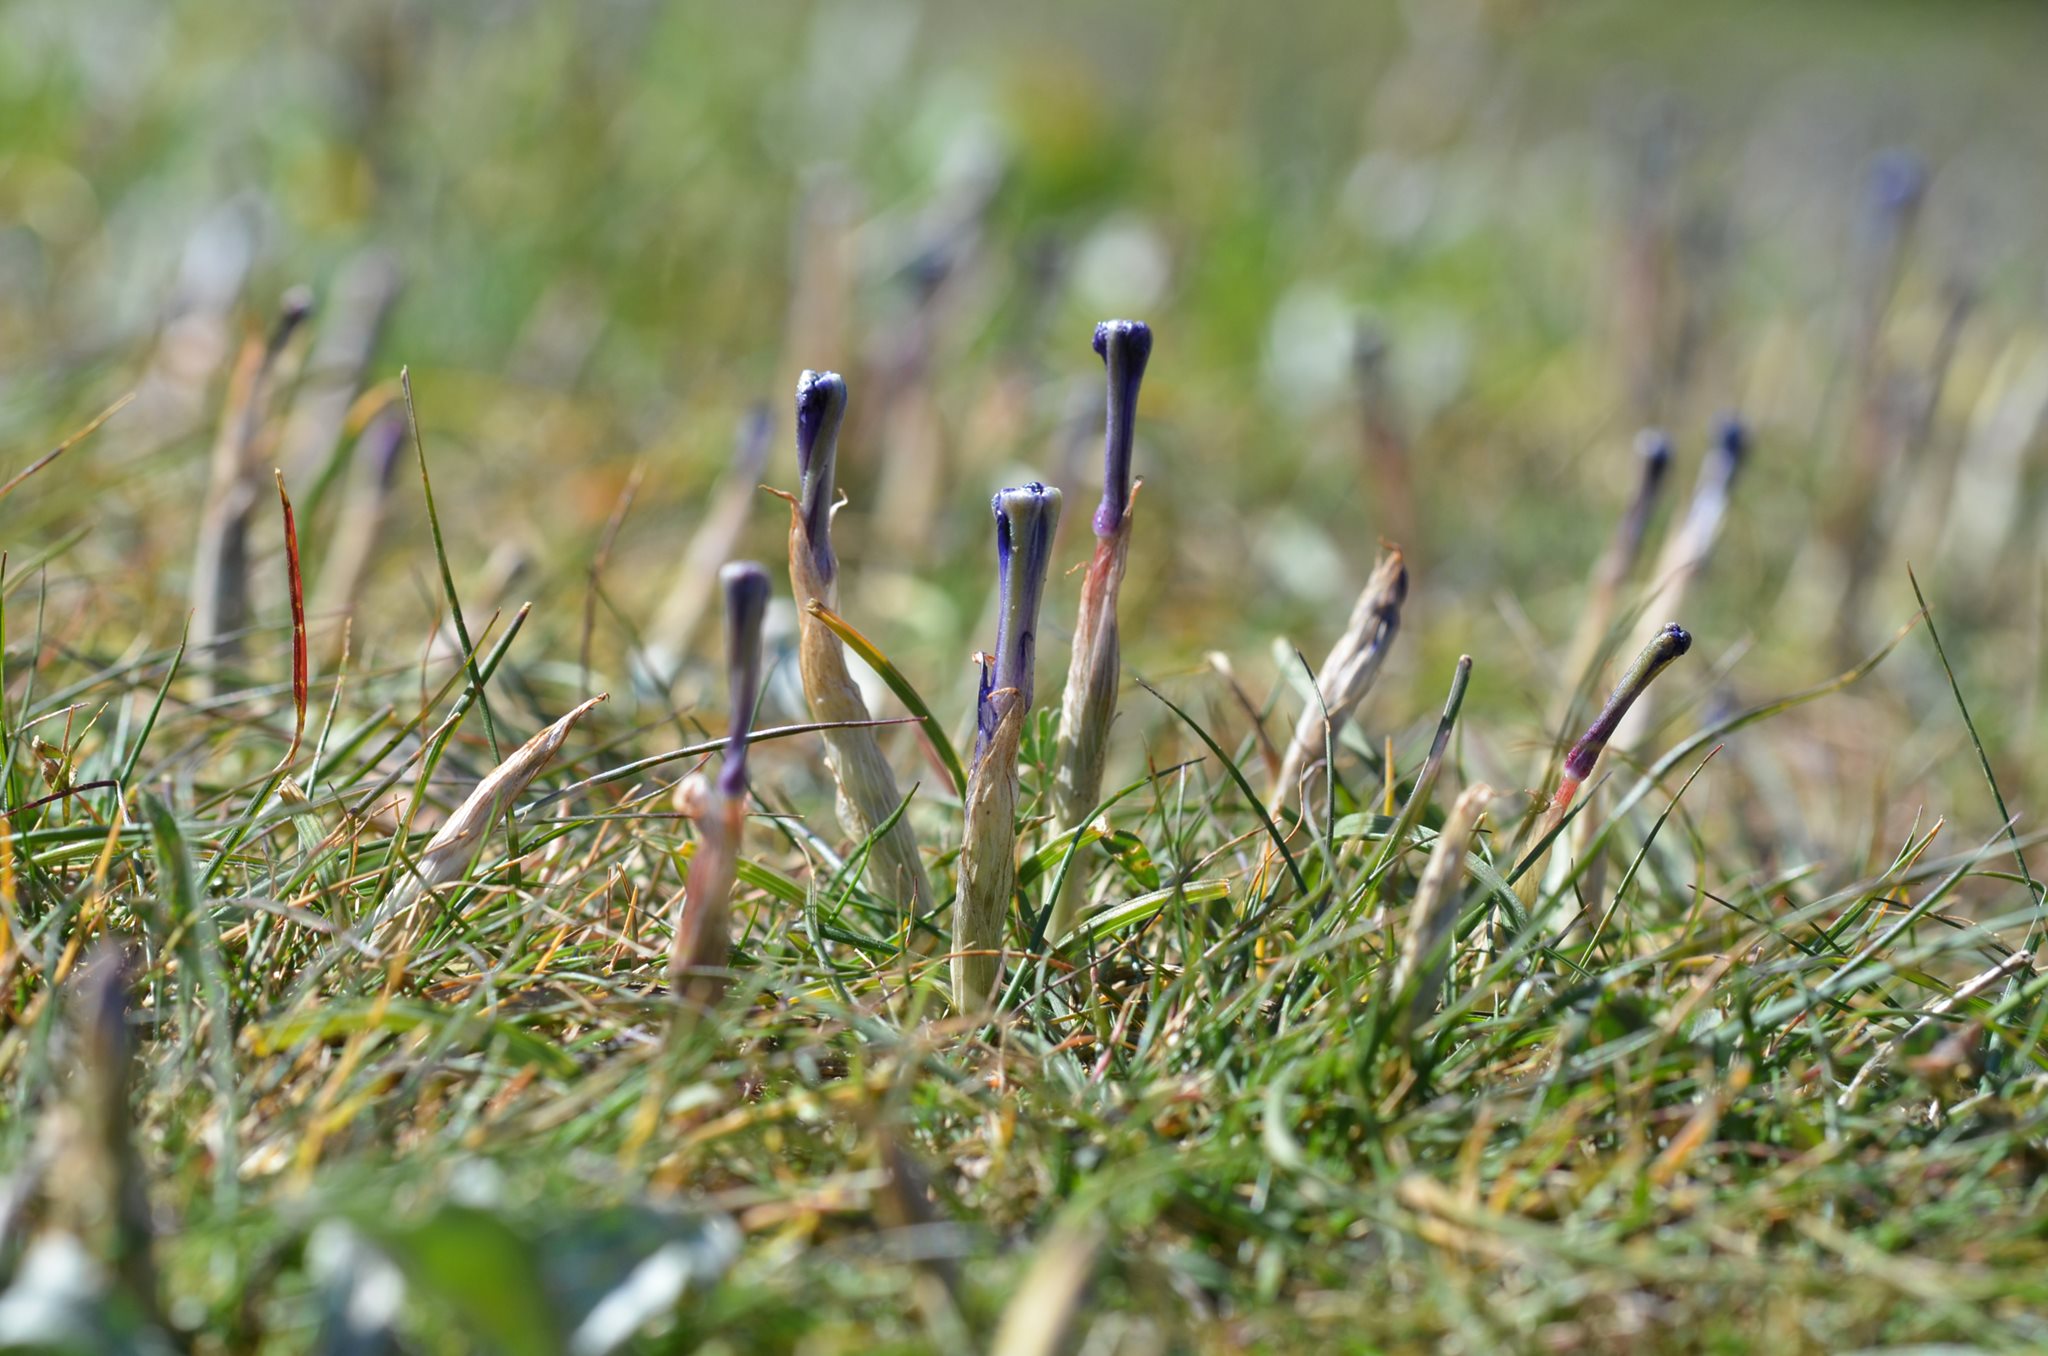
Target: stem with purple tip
x=868, y=797
x=1089, y=705
x=702, y=945
x=1025, y=519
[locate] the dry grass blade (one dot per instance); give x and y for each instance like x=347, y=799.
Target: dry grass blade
x=300, y=660
x=1347, y=675
x=14, y=481
x=454, y=847
x=988, y=865
x=2019, y=962
x=1424, y=962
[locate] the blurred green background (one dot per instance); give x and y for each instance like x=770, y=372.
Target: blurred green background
x=619, y=226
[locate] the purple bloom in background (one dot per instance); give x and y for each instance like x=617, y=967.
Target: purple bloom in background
x=746, y=603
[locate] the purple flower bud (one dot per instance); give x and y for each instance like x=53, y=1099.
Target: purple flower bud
x=1664, y=647
x=820, y=405
x=746, y=602
x=1025, y=519
x=1125, y=346
x=1709, y=505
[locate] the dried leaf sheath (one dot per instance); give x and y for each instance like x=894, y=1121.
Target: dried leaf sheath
x=455, y=846
x=1090, y=702
x=988, y=861
x=1424, y=961
x=1348, y=674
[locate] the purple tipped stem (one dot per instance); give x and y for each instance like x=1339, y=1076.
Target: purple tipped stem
x=1667, y=645
x=1653, y=446
x=746, y=602
x=292, y=310
x=820, y=406
x=1025, y=519
x=1125, y=346
x=1731, y=442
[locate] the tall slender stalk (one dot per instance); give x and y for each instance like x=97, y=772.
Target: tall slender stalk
x=668, y=637
x=220, y=571
x=1670, y=642
x=1689, y=548
x=357, y=527
x=702, y=946
x=1089, y=706
x=1611, y=571
x=867, y=787
x=1025, y=519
